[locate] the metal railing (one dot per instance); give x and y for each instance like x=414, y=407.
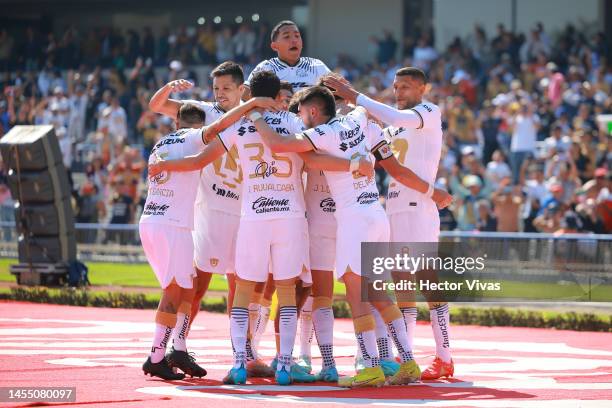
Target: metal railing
x=121, y=243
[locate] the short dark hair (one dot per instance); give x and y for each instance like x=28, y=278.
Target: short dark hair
x=276, y=29
x=413, y=72
x=191, y=114
x=286, y=86
x=321, y=96
x=324, y=77
x=265, y=83
x=229, y=68
x=294, y=104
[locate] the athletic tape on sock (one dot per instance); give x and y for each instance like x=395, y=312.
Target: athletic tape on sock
x=165, y=318
x=391, y=313
x=319, y=302
x=364, y=323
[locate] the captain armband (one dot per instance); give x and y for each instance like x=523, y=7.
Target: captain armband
x=382, y=151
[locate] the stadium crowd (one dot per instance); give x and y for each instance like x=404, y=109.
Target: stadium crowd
x=524, y=150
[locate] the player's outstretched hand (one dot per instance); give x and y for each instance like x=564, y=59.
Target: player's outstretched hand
x=366, y=168
x=156, y=168
x=266, y=104
x=180, y=85
x=442, y=198
x=342, y=88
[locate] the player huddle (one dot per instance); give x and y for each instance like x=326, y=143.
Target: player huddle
x=227, y=194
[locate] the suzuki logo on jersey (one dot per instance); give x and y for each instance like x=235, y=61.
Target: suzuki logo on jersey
x=155, y=209
x=263, y=169
x=328, y=205
x=225, y=193
x=355, y=142
x=242, y=130
x=168, y=141
x=343, y=146
x=267, y=204
x=426, y=107
x=270, y=121
x=366, y=198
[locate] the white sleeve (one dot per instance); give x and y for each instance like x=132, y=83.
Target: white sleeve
x=228, y=137
x=406, y=118
x=374, y=135
x=195, y=142
x=360, y=116
x=321, y=137
x=295, y=124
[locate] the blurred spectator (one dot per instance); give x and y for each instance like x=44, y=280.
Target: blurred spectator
x=507, y=200
x=486, y=221
x=488, y=123
x=498, y=169
x=523, y=126
x=122, y=212
x=90, y=208
x=467, y=195
x=549, y=220
x=423, y=54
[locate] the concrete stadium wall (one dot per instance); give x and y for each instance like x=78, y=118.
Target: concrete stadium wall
x=344, y=26
x=457, y=18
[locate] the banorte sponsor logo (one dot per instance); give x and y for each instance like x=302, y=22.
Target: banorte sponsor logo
x=328, y=205
x=367, y=197
x=267, y=204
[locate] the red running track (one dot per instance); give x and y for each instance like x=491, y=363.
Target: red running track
x=100, y=351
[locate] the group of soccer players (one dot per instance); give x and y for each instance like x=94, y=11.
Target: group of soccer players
x=226, y=196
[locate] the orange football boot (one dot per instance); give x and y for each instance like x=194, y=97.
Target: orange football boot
x=438, y=369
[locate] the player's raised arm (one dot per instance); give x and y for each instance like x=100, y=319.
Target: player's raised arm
x=161, y=102
x=409, y=86
x=190, y=163
x=229, y=118
x=325, y=162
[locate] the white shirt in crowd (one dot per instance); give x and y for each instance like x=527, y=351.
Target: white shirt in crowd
x=524, y=135
x=496, y=171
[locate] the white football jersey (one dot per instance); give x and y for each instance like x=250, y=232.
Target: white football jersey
x=301, y=75
x=349, y=137
x=418, y=149
x=171, y=194
x=272, y=187
x=220, y=181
